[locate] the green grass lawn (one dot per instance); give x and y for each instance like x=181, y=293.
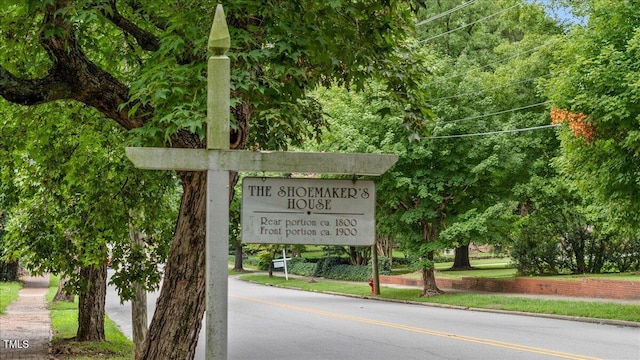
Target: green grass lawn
x=501, y=268
x=599, y=310
x=629, y=276
x=64, y=321
x=480, y=272
x=498, y=268
x=8, y=294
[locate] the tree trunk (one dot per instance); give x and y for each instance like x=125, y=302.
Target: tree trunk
x=358, y=255
x=429, y=286
x=9, y=269
x=385, y=247
x=461, y=260
x=62, y=295
x=139, y=320
x=237, y=265
x=91, y=304
x=177, y=320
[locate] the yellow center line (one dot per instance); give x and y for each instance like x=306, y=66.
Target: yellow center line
x=452, y=336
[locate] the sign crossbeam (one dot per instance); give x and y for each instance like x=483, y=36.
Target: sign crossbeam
x=218, y=160
x=267, y=161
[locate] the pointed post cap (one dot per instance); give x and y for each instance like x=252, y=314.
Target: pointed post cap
x=219, y=39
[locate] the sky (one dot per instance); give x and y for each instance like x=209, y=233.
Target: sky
x=560, y=13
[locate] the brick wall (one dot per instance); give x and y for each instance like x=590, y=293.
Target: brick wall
x=585, y=287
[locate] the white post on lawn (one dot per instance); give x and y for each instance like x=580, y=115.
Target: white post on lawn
x=218, y=160
x=284, y=260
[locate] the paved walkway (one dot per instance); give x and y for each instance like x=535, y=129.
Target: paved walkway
x=25, y=328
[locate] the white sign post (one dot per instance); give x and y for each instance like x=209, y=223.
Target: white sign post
x=282, y=263
x=218, y=160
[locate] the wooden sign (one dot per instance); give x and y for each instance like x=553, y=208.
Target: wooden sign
x=308, y=211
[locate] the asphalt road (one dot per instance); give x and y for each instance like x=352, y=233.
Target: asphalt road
x=272, y=323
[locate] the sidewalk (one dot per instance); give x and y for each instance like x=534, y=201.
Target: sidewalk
x=25, y=328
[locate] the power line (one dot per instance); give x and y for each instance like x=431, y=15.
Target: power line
x=493, y=114
x=491, y=89
x=495, y=132
x=472, y=23
x=498, y=61
x=443, y=14
x=505, y=59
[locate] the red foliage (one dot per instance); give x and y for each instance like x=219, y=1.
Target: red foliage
x=577, y=123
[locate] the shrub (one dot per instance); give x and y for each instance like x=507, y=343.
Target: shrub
x=337, y=268
x=324, y=265
x=565, y=241
x=626, y=255
x=535, y=250
x=264, y=259
x=401, y=260
x=384, y=265
x=349, y=272
x=298, y=266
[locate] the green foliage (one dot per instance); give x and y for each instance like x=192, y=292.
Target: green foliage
x=446, y=192
x=324, y=265
x=299, y=267
x=384, y=265
x=265, y=257
x=8, y=269
x=563, y=236
x=349, y=272
x=337, y=268
x=490, y=226
x=536, y=249
x=73, y=195
x=277, y=52
x=598, y=69
x=626, y=256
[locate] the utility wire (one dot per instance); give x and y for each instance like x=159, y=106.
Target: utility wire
x=505, y=59
x=491, y=89
x=495, y=132
x=472, y=23
x=492, y=114
x=497, y=61
x=443, y=14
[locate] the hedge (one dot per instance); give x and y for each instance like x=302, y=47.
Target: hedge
x=336, y=268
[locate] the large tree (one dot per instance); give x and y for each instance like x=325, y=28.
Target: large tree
x=498, y=51
x=596, y=92
x=73, y=196
x=141, y=64
x=447, y=191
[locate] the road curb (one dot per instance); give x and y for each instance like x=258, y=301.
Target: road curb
x=511, y=312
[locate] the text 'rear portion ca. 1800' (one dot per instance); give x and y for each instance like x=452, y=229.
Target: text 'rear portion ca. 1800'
x=308, y=211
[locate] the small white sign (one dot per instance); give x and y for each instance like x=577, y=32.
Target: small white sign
x=308, y=211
